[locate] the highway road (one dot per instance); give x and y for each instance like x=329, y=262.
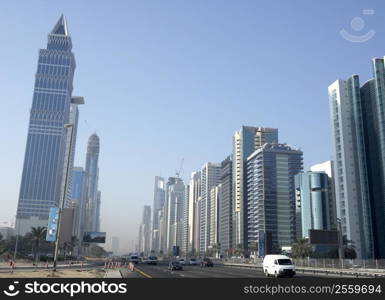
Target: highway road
x=218, y=271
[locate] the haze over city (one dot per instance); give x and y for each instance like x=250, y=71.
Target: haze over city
x=169, y=80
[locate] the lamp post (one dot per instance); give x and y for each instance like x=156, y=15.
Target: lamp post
x=57, y=241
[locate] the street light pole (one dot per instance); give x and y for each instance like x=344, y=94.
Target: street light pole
x=63, y=199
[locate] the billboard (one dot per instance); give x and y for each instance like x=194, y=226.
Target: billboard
x=323, y=237
x=94, y=237
x=52, y=224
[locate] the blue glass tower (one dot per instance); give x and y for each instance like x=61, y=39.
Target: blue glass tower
x=47, y=141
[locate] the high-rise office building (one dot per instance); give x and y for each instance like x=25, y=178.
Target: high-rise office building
x=358, y=138
x=225, y=207
x=92, y=177
x=191, y=217
x=145, y=231
x=215, y=193
x=315, y=201
x=173, y=213
x=184, y=246
x=245, y=142
x=271, y=194
x=210, y=177
x=159, y=196
x=45, y=155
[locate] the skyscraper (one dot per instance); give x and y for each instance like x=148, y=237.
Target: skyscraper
x=210, y=177
x=193, y=213
x=215, y=193
x=358, y=127
x=159, y=196
x=92, y=176
x=145, y=231
x=245, y=141
x=45, y=155
x=271, y=194
x=351, y=181
x=225, y=207
x=173, y=212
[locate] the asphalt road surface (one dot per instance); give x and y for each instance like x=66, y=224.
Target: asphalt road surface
x=218, y=271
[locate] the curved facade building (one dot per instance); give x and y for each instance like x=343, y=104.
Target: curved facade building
x=315, y=202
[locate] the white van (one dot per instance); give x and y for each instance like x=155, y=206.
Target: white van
x=278, y=265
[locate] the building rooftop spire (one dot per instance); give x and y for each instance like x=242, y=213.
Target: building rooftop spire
x=61, y=26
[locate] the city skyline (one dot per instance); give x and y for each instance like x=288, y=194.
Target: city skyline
x=137, y=161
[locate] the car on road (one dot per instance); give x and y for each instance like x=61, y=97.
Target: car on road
x=182, y=261
x=207, y=262
x=135, y=259
x=278, y=266
x=193, y=262
x=152, y=260
x=175, y=265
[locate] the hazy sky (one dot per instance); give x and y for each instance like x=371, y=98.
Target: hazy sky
x=164, y=80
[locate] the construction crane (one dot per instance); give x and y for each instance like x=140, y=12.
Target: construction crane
x=180, y=168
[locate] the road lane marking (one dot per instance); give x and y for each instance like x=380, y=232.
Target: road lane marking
x=142, y=273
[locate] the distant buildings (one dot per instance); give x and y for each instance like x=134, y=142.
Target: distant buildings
x=47, y=145
x=210, y=177
x=225, y=214
x=171, y=232
x=92, y=195
x=145, y=231
x=158, y=203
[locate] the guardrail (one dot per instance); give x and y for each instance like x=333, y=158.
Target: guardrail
x=326, y=272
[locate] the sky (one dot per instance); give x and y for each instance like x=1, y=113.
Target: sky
x=166, y=80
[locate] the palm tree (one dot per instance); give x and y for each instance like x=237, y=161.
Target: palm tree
x=301, y=248
x=37, y=235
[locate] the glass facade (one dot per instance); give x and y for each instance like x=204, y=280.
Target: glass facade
x=271, y=194
x=245, y=142
x=315, y=202
x=42, y=177
x=92, y=177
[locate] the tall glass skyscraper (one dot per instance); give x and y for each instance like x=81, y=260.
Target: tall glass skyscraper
x=44, y=162
x=358, y=128
x=159, y=195
x=245, y=141
x=271, y=194
x=92, y=177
